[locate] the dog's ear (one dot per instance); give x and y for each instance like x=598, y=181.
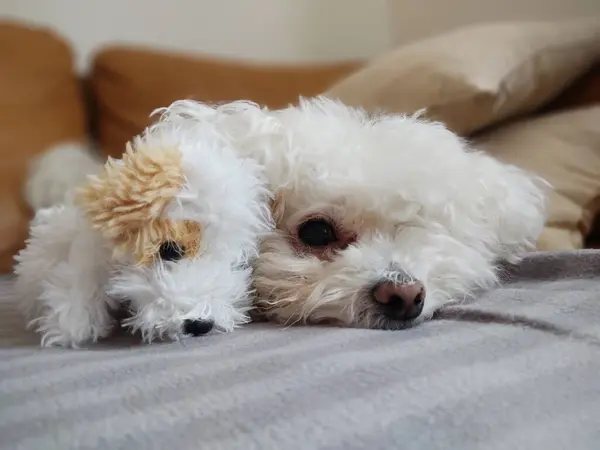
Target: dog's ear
x=240, y=121
x=248, y=127
x=126, y=201
x=513, y=206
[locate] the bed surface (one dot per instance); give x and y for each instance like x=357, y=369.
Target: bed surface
x=518, y=368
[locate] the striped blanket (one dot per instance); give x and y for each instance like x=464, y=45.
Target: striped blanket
x=519, y=368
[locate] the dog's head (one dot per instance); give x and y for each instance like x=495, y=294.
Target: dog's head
x=382, y=220
x=182, y=212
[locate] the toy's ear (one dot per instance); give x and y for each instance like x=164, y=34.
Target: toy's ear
x=126, y=201
x=514, y=206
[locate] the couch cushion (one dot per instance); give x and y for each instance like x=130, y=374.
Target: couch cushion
x=40, y=105
x=583, y=92
x=476, y=76
x=130, y=83
x=563, y=148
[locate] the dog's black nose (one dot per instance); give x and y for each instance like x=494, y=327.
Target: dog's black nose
x=400, y=301
x=197, y=327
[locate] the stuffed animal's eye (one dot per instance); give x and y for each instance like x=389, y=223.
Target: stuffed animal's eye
x=317, y=233
x=171, y=251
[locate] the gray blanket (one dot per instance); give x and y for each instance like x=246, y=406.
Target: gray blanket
x=517, y=369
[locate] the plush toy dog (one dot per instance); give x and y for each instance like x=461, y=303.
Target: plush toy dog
x=167, y=231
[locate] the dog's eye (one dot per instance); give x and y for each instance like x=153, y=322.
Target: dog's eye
x=317, y=233
x=170, y=251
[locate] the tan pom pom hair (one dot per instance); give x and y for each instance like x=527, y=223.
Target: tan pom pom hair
x=126, y=202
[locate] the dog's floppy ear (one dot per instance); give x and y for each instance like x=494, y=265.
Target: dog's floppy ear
x=513, y=206
x=126, y=201
x=246, y=125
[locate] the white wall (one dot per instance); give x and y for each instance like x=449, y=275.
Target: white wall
x=414, y=19
x=273, y=30
x=267, y=30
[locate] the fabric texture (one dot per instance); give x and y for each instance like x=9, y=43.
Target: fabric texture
x=130, y=83
x=517, y=368
x=585, y=91
x=40, y=105
x=564, y=149
x=479, y=75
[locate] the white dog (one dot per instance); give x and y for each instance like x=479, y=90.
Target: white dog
x=168, y=231
x=379, y=220
x=382, y=220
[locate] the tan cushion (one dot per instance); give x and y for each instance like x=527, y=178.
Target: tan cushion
x=563, y=148
x=476, y=76
x=583, y=92
x=130, y=83
x=40, y=105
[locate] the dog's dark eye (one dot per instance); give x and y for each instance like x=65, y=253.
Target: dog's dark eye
x=170, y=251
x=317, y=233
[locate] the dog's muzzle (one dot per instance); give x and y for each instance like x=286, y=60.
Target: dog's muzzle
x=400, y=301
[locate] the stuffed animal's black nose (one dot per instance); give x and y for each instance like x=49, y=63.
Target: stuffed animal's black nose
x=197, y=327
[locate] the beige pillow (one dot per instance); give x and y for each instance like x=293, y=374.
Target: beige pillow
x=476, y=76
x=563, y=148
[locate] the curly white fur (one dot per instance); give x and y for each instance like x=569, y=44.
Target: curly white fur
x=411, y=198
x=69, y=279
x=408, y=199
